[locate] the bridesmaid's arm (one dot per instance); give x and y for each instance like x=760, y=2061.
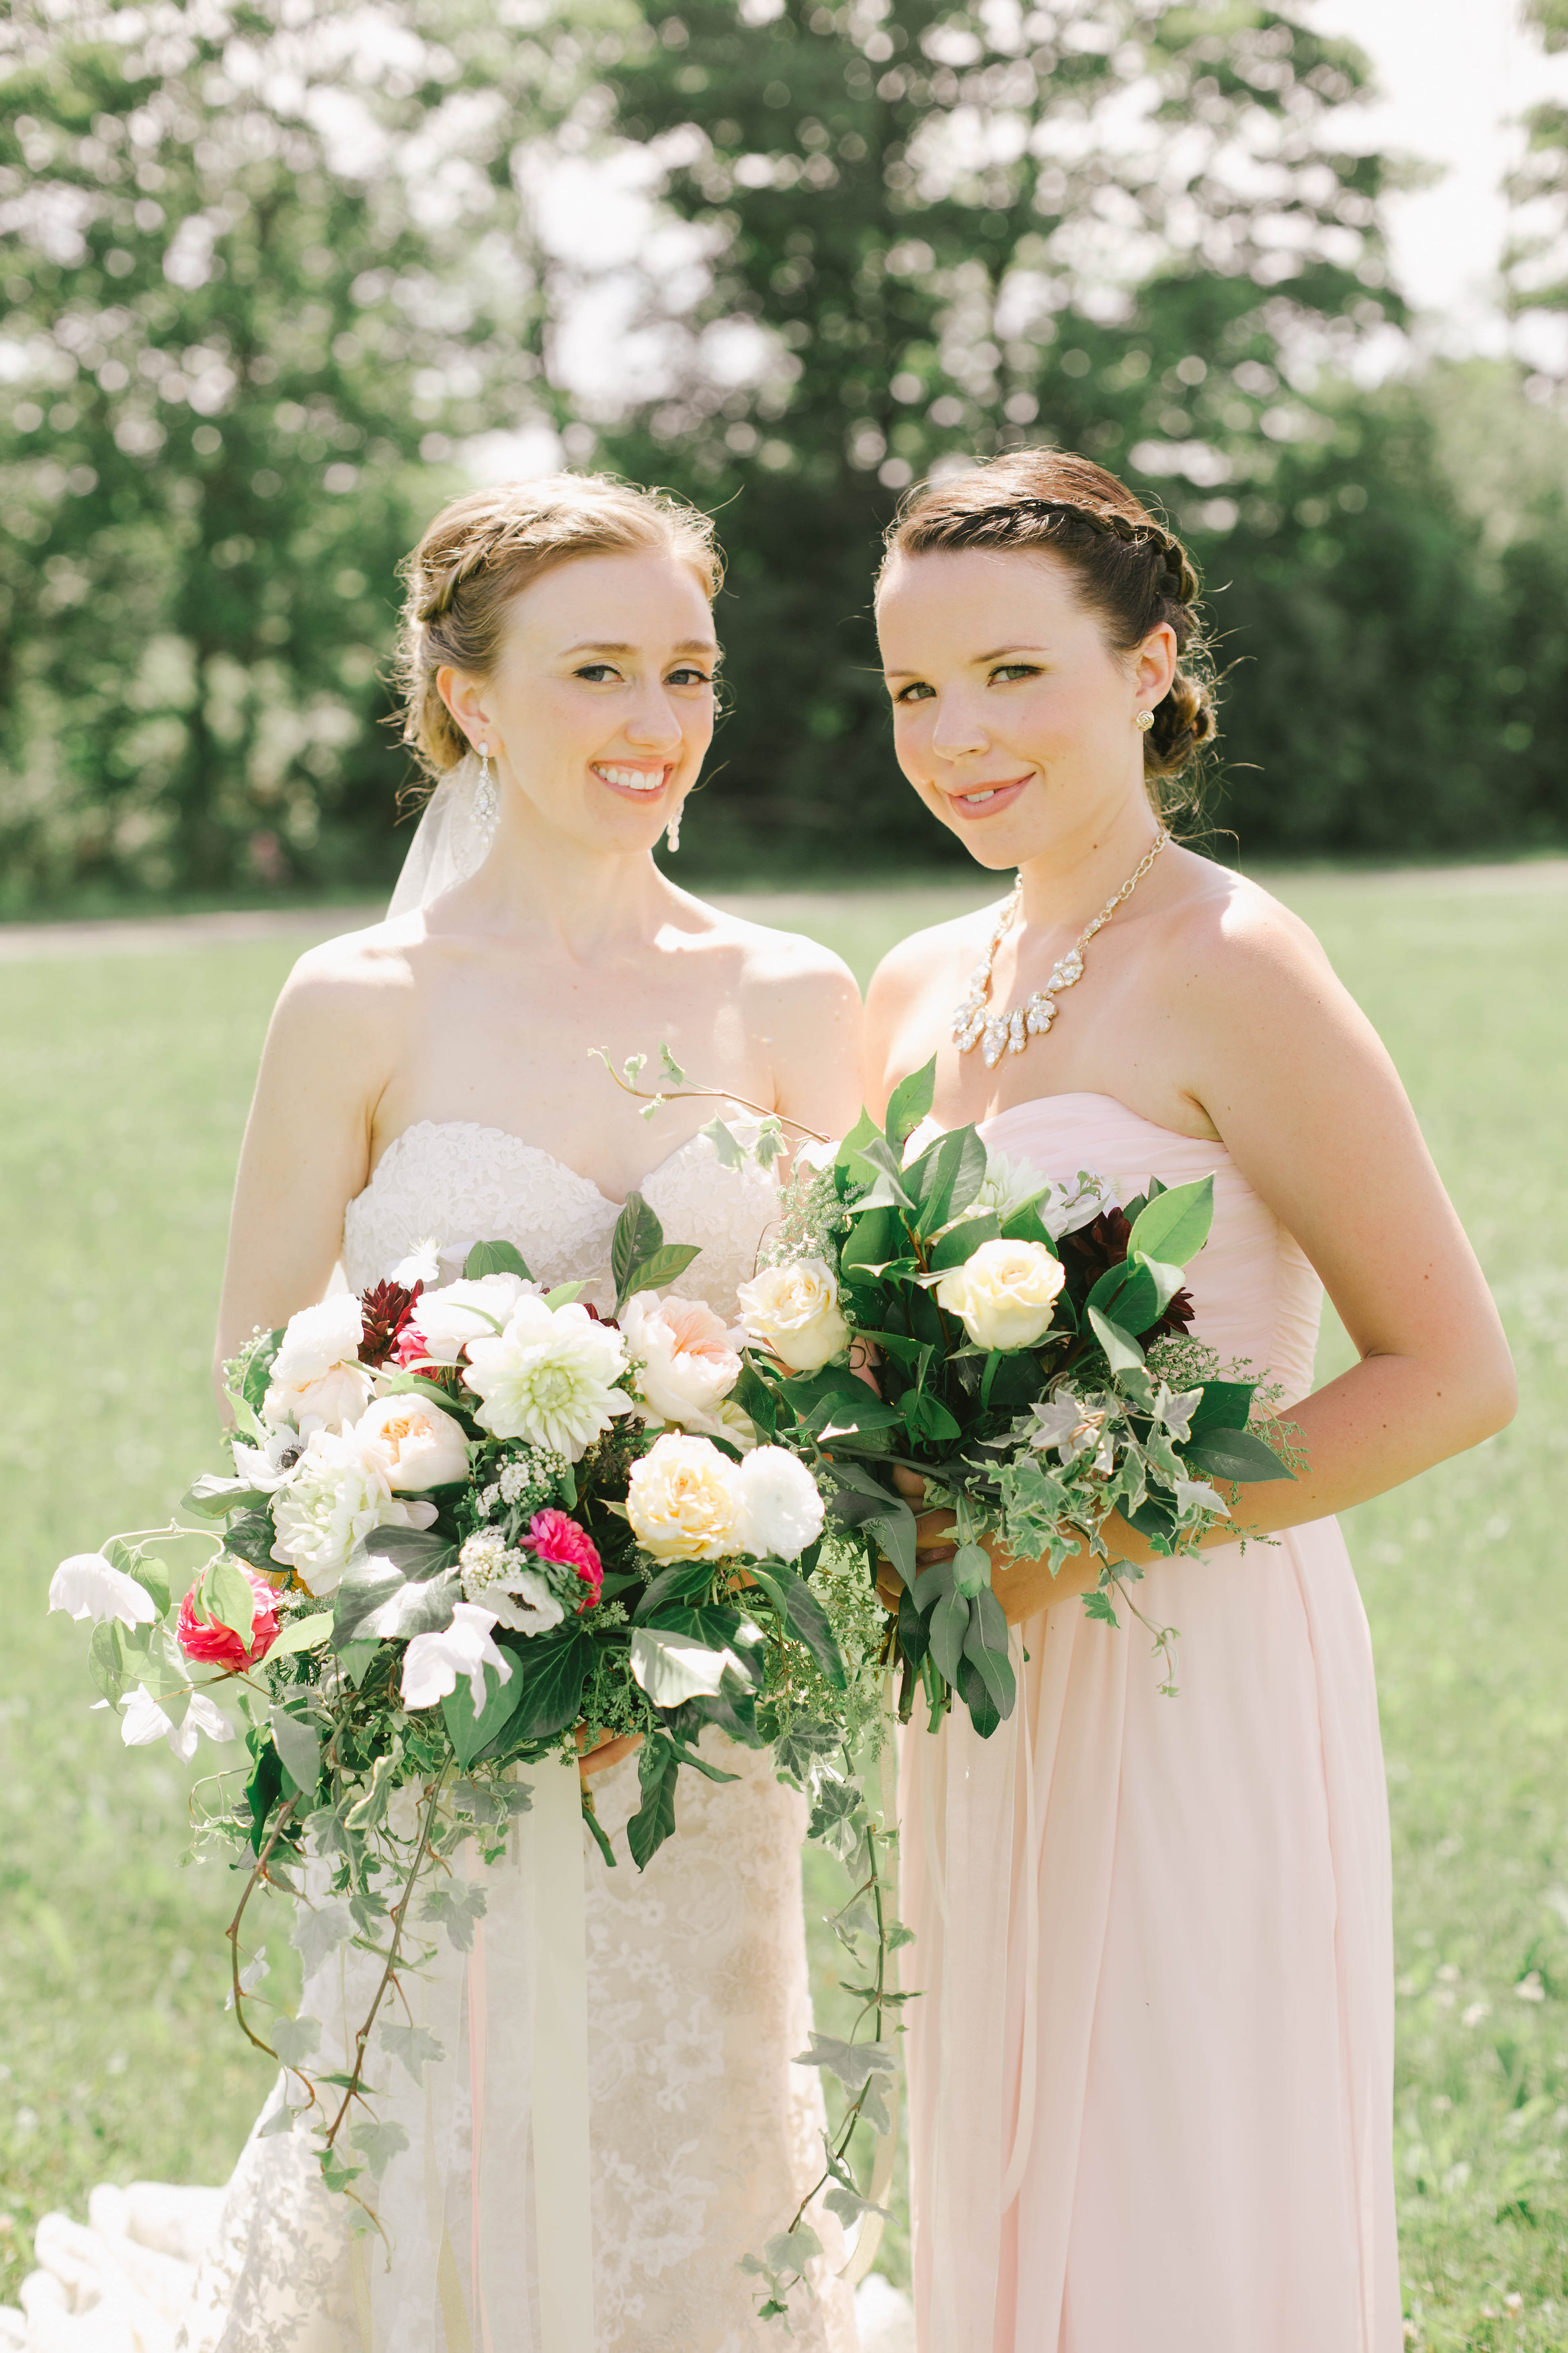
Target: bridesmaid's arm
x=1280, y=1061
x=307, y=1141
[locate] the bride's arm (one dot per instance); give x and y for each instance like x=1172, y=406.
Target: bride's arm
x=801, y=1003
x=307, y=1141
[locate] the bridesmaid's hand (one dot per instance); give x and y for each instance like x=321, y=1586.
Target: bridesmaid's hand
x=1024, y=1588
x=597, y=1756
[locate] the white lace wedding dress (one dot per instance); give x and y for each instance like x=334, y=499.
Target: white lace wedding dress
x=703, y=2134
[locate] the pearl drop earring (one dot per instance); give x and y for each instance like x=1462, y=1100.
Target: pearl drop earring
x=672, y=833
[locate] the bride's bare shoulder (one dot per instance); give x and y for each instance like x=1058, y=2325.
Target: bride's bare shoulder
x=788, y=970
x=354, y=984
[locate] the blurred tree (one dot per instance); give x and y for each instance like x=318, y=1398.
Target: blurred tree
x=263, y=264
x=1536, y=265
x=1125, y=226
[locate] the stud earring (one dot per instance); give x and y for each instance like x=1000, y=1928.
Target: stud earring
x=487, y=801
x=672, y=834
x=1144, y=722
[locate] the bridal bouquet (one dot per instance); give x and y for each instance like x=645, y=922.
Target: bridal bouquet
x=1033, y=1361
x=469, y=1524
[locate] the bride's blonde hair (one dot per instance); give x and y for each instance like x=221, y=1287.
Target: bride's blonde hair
x=483, y=549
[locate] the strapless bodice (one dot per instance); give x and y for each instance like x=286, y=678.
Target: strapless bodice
x=457, y=1183
x=1254, y=1289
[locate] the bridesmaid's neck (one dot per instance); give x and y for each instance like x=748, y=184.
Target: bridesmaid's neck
x=1067, y=882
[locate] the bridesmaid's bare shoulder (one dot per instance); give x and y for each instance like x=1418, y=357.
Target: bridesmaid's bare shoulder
x=1228, y=932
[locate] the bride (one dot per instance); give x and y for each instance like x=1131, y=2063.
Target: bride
x=430, y=1080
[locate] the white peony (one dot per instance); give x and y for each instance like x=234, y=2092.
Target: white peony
x=1005, y=1293
x=336, y=1494
x=432, y=1662
x=420, y=1445
x=686, y=1365
x=781, y=1509
x=548, y=1377
x=90, y=1587
x=448, y=1319
x=684, y=1501
x=317, y=1381
x=793, y=1310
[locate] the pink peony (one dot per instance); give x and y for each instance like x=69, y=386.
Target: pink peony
x=217, y=1645
x=556, y=1537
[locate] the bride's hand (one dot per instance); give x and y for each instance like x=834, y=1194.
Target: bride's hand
x=597, y=1756
x=1024, y=1588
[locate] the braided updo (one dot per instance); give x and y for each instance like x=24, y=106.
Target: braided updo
x=483, y=549
x=1129, y=569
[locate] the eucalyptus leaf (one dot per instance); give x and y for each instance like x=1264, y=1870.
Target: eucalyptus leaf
x=949, y=1630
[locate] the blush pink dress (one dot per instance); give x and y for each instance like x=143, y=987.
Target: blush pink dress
x=1151, y=2069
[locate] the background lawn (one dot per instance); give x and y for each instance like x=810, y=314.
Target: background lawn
x=123, y=1085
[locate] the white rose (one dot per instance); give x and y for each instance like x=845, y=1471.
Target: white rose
x=336, y=1494
x=548, y=1377
x=447, y=1320
x=419, y=1445
x=686, y=1366
x=793, y=1310
x=781, y=1509
x=317, y=1381
x=1005, y=1293
x=683, y=1501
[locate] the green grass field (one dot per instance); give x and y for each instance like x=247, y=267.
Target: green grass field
x=123, y=1083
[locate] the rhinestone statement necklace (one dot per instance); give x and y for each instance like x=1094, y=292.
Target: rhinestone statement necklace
x=1008, y=1033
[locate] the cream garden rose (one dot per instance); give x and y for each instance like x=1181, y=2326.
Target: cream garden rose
x=421, y=1446
x=686, y=1366
x=793, y=1310
x=684, y=1501
x=1005, y=1294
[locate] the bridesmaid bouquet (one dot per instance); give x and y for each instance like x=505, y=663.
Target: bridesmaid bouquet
x=467, y=1525
x=1033, y=1363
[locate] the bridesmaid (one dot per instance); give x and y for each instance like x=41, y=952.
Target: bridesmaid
x=1151, y=2071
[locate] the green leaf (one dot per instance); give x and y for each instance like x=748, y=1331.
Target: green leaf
x=876, y=1237
x=1175, y=1225
x=215, y=1498
x=1235, y=1454
x=683, y=1580
x=658, y=1768
x=1024, y=1226
x=753, y=1395
x=469, y=1733
x=552, y=1670
x=961, y=1241
x=224, y=1597
x=1223, y=1405
x=1127, y=1294
x=415, y=2046
x=972, y=1570
x=659, y=1270
x=884, y=1160
x=949, y=1630
x=637, y=1236
x=926, y=1416
x=106, y=1661
x=398, y=1582
x=152, y=1576
x=303, y=1634
x=909, y=1103
x=251, y=1537
x=299, y=1747
x=495, y=1258
x=984, y=1713
x=1122, y=1353
x=1098, y=1605
x=946, y=1177
x=726, y=1143
x=850, y=1155
x=354, y=1658
x=810, y=1620
x=986, y=1647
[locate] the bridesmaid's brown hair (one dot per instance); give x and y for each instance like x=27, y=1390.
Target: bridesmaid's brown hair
x=1128, y=567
